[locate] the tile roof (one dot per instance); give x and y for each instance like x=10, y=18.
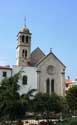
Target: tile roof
x=6, y=67
x=68, y=81
x=36, y=56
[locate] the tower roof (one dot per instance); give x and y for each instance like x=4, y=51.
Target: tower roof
x=24, y=29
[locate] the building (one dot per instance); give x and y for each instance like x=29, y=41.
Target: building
x=74, y=82
x=68, y=83
x=46, y=73
x=5, y=71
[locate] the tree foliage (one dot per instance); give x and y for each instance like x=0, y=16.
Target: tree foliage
x=9, y=96
x=47, y=103
x=12, y=104
x=71, y=97
x=55, y=103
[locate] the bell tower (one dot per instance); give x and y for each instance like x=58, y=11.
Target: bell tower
x=23, y=46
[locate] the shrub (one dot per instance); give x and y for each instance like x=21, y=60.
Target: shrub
x=19, y=122
x=45, y=123
x=73, y=121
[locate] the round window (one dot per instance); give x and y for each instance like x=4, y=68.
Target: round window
x=50, y=69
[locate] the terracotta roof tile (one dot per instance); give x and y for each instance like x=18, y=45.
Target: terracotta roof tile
x=5, y=67
x=68, y=81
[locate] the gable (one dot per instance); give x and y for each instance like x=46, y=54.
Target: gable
x=52, y=59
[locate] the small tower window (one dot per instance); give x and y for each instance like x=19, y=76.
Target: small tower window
x=25, y=53
x=52, y=85
x=27, y=39
x=24, y=80
x=23, y=39
x=47, y=86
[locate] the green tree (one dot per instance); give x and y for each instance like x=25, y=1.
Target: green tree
x=8, y=95
x=44, y=104
x=55, y=103
x=12, y=104
x=40, y=102
x=27, y=99
x=71, y=97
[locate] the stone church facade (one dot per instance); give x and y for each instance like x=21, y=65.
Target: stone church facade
x=46, y=73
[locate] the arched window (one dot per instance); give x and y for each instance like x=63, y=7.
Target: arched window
x=52, y=85
x=27, y=39
x=47, y=86
x=24, y=80
x=23, y=53
x=23, y=39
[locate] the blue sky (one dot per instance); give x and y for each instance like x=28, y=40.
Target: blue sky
x=53, y=24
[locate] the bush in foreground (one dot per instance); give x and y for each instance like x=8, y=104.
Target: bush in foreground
x=73, y=121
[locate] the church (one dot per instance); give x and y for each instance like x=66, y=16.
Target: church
x=46, y=73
